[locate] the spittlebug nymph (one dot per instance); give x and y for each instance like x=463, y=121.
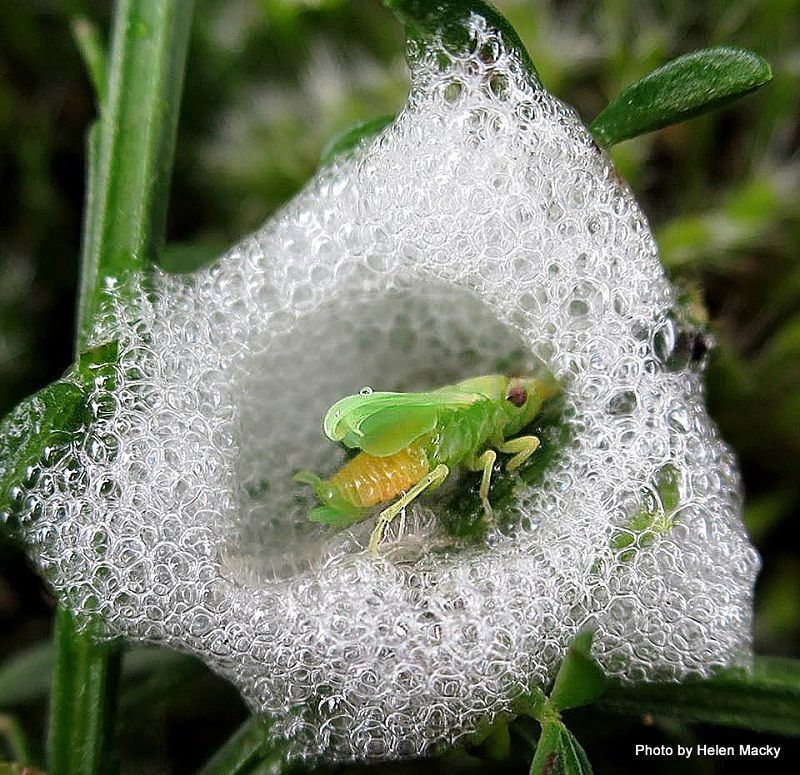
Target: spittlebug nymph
x=409, y=442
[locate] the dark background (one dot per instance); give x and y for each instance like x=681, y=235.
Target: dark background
x=268, y=83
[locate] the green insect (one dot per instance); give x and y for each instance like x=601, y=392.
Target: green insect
x=409, y=442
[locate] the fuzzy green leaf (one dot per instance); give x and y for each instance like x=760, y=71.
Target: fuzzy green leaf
x=559, y=752
x=580, y=680
x=686, y=87
x=426, y=20
x=547, y=748
x=768, y=699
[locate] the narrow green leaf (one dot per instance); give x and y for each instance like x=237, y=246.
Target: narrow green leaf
x=241, y=752
x=686, y=87
x=17, y=742
x=497, y=744
x=768, y=699
x=426, y=20
x=547, y=748
x=44, y=423
x=96, y=365
x=93, y=53
x=351, y=137
x=559, y=752
x=580, y=680
x=573, y=758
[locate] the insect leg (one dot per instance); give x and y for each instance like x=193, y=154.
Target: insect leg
x=486, y=463
x=522, y=448
x=433, y=479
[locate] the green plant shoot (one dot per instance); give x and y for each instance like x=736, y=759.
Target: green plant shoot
x=410, y=442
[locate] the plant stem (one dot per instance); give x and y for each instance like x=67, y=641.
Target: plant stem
x=130, y=152
x=84, y=698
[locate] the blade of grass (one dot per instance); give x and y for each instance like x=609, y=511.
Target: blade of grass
x=130, y=158
x=93, y=53
x=17, y=743
x=243, y=750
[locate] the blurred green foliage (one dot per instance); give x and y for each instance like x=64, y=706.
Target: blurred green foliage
x=269, y=82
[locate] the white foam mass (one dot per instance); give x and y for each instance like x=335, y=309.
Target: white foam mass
x=483, y=225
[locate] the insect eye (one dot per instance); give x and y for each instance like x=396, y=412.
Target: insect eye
x=517, y=395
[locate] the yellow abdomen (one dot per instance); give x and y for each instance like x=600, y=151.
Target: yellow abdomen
x=367, y=480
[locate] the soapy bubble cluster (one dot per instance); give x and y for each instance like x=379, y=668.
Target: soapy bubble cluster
x=484, y=226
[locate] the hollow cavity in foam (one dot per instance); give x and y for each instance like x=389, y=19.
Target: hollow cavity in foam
x=483, y=224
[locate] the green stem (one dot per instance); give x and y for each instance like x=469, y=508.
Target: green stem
x=83, y=701
x=130, y=152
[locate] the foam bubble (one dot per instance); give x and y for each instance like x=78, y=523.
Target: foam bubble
x=483, y=225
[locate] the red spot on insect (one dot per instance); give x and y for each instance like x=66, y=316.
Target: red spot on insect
x=517, y=395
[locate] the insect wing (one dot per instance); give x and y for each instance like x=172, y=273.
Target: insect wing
x=384, y=423
x=392, y=429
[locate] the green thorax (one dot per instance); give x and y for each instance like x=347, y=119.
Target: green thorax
x=467, y=431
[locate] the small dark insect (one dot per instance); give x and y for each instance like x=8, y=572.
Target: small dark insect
x=692, y=344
